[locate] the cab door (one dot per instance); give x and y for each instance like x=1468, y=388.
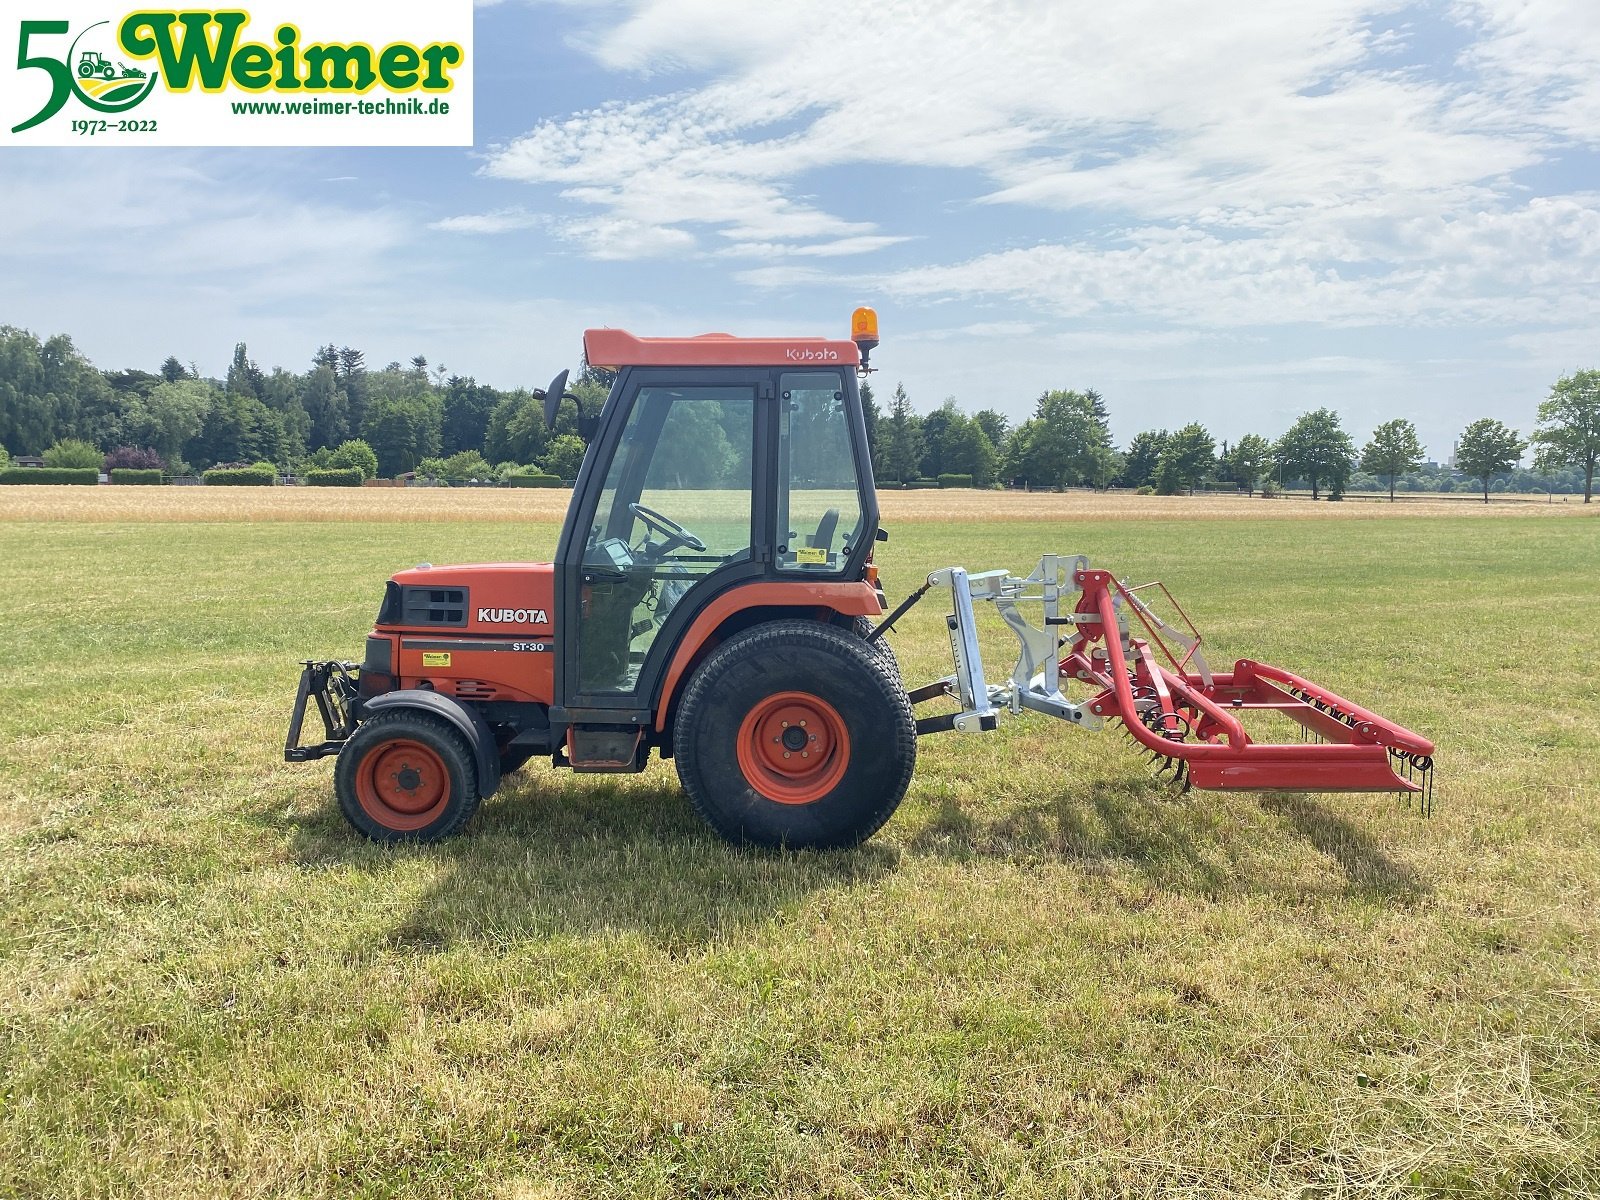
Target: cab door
x=666, y=513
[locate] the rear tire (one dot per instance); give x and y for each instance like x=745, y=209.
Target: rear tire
x=863, y=627
x=795, y=735
x=406, y=777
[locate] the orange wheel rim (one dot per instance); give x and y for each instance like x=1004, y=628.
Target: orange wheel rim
x=403, y=785
x=793, y=747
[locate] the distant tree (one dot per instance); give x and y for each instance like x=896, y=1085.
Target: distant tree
x=48, y=391
x=935, y=428
x=1105, y=465
x=244, y=377
x=1187, y=458
x=466, y=467
x=1101, y=414
x=954, y=443
x=355, y=453
x=1060, y=443
x=1393, y=451
x=327, y=405
x=467, y=405
x=1318, y=450
x=902, y=443
x=402, y=420
x=74, y=453
x=131, y=381
x=1144, y=452
x=995, y=427
x=564, y=456
x=170, y=416
x=1486, y=449
x=1568, y=434
x=354, y=378
x=1248, y=460
x=172, y=370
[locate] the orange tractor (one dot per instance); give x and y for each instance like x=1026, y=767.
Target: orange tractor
x=714, y=599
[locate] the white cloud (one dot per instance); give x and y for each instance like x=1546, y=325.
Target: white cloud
x=1259, y=164
x=840, y=247
x=502, y=220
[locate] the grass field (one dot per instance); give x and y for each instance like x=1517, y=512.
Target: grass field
x=1046, y=977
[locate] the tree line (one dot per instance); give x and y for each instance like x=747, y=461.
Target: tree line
x=336, y=412
x=422, y=417
x=1067, y=442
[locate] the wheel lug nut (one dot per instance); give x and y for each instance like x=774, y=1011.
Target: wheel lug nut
x=786, y=754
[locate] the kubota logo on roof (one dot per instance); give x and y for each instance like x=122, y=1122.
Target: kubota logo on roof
x=809, y=355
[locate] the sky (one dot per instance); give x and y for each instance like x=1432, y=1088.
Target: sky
x=1207, y=211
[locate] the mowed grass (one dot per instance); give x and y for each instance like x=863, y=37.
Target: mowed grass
x=1046, y=977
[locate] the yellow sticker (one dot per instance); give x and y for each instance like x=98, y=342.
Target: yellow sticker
x=434, y=659
x=811, y=555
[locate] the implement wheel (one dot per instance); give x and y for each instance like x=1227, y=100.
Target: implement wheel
x=406, y=777
x=796, y=735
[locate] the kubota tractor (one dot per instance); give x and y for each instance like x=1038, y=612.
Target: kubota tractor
x=714, y=599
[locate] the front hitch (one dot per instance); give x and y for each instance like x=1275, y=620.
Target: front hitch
x=333, y=686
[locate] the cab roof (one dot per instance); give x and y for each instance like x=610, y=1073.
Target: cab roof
x=614, y=348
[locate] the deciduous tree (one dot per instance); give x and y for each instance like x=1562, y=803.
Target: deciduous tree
x=1393, y=451
x=1247, y=461
x=1317, y=449
x=1569, y=427
x=1487, y=448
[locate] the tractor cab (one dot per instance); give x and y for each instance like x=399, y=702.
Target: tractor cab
x=718, y=464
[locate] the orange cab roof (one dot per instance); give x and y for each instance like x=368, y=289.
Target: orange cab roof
x=613, y=348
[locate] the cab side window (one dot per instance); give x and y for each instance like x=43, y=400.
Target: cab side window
x=819, y=488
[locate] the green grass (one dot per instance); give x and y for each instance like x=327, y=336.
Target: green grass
x=1045, y=978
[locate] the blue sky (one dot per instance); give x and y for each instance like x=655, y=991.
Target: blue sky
x=1208, y=211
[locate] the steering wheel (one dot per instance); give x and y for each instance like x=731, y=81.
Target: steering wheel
x=677, y=535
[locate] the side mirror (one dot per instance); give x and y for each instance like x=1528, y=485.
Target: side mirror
x=552, y=398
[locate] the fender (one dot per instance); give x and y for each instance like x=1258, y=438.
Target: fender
x=466, y=721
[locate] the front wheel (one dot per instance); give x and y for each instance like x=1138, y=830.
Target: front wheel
x=795, y=735
x=406, y=777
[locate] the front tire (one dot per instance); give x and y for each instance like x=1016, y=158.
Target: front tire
x=795, y=735
x=406, y=777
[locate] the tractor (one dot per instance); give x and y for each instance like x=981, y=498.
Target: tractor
x=714, y=600
x=92, y=62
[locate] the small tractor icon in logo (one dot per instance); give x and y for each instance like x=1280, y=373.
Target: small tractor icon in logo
x=94, y=63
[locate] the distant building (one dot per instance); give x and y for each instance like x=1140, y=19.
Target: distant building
x=28, y=460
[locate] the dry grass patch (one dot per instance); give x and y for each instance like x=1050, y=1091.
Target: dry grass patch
x=540, y=506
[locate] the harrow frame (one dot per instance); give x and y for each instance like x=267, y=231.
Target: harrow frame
x=1154, y=679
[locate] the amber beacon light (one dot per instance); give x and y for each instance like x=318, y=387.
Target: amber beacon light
x=864, y=333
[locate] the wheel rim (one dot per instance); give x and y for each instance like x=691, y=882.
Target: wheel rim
x=403, y=785
x=793, y=748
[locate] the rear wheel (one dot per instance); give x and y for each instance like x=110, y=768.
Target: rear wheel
x=406, y=777
x=864, y=627
x=795, y=734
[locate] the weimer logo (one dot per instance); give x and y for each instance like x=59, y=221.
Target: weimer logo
x=88, y=72
x=364, y=72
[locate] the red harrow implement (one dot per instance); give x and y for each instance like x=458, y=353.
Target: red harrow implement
x=1152, y=677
